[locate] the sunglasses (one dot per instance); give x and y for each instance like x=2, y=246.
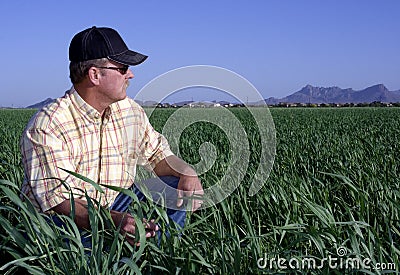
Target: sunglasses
x=122, y=70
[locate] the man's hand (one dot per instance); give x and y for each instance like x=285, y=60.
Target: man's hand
x=128, y=226
x=190, y=186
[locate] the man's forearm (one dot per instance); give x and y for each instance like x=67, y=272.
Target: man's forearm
x=188, y=185
x=123, y=219
x=174, y=166
x=81, y=213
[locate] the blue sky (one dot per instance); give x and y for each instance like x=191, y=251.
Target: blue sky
x=279, y=46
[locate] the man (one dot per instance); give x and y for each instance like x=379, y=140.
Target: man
x=97, y=131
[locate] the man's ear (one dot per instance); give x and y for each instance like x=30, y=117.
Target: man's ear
x=94, y=75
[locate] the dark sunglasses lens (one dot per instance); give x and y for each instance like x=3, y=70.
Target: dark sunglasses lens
x=124, y=69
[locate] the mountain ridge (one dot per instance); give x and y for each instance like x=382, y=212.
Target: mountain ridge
x=334, y=94
x=40, y=104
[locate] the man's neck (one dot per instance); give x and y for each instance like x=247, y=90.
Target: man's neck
x=89, y=95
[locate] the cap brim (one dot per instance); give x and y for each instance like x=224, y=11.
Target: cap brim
x=130, y=58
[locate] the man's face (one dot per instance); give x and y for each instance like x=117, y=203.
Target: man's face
x=113, y=83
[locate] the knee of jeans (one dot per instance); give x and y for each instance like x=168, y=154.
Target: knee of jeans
x=170, y=181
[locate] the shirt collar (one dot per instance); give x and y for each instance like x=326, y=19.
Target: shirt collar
x=83, y=106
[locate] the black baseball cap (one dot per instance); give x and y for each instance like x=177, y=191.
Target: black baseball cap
x=95, y=43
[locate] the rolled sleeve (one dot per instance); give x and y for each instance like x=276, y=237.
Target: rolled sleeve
x=154, y=146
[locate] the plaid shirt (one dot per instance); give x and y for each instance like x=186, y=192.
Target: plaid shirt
x=71, y=134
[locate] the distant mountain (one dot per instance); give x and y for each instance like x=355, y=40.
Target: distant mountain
x=183, y=103
x=40, y=104
x=146, y=103
x=311, y=94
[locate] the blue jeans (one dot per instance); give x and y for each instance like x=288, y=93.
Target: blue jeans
x=122, y=202
x=155, y=186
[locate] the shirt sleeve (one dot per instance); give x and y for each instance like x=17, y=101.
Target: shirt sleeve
x=42, y=155
x=153, y=147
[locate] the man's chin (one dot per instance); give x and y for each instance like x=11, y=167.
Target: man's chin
x=122, y=97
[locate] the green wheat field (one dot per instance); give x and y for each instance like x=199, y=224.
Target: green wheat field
x=330, y=203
